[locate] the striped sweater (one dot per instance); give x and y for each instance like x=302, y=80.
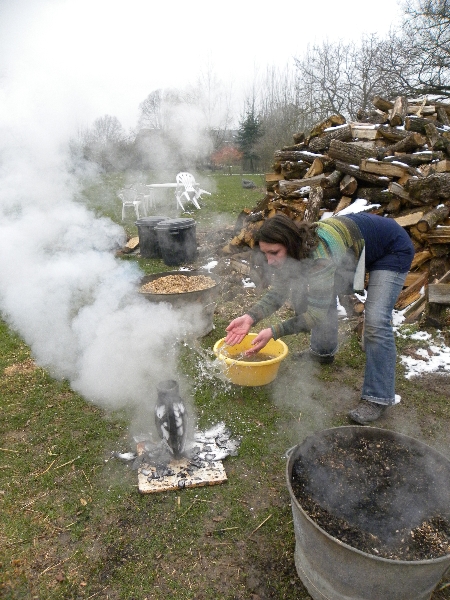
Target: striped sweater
x=310, y=283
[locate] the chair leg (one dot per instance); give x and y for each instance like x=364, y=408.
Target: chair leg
x=138, y=207
x=179, y=202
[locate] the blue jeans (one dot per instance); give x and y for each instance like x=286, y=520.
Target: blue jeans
x=379, y=342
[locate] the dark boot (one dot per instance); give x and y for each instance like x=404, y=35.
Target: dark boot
x=367, y=412
x=308, y=356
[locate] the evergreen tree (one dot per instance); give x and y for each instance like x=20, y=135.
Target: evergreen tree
x=249, y=132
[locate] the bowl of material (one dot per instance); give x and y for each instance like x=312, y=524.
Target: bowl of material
x=258, y=369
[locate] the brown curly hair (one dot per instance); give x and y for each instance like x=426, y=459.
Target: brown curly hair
x=298, y=240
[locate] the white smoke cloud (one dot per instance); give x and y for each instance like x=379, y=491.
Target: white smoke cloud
x=61, y=287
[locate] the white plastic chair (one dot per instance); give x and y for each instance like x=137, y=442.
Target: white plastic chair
x=189, y=188
x=145, y=195
x=129, y=197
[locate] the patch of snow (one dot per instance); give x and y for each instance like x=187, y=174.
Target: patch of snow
x=356, y=206
x=210, y=265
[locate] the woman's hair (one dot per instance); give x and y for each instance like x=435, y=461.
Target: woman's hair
x=298, y=240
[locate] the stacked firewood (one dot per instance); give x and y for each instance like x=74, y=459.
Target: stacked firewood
x=394, y=161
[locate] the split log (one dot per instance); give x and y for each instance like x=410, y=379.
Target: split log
x=429, y=189
x=432, y=134
x=382, y=104
x=361, y=175
x=297, y=155
x=391, y=133
x=418, y=124
x=287, y=187
x=409, y=143
x=443, y=105
x=398, y=190
x=416, y=236
x=319, y=128
x=435, y=312
x=420, y=258
x=343, y=133
x=422, y=110
x=300, y=146
x=387, y=169
x=314, y=203
x=394, y=206
x=416, y=159
x=348, y=185
x=374, y=195
x=413, y=313
x=272, y=178
x=443, y=166
x=410, y=219
x=363, y=131
x=294, y=170
x=412, y=292
x=442, y=116
x=349, y=153
x=441, y=235
x=331, y=180
x=343, y=203
x=398, y=112
x=433, y=218
x=376, y=117
x=315, y=169
x=442, y=143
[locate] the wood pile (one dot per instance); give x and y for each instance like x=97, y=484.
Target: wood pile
x=395, y=161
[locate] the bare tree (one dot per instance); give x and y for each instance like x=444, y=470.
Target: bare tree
x=417, y=57
x=105, y=144
x=341, y=78
x=322, y=79
x=280, y=113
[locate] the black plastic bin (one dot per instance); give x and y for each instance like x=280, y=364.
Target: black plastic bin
x=177, y=240
x=148, y=239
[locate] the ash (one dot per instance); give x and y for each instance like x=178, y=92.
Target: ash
x=156, y=461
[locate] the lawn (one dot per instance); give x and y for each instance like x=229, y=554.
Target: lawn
x=73, y=523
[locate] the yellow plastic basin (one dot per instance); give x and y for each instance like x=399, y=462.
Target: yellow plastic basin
x=242, y=372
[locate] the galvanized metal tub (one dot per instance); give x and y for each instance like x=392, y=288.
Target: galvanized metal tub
x=333, y=570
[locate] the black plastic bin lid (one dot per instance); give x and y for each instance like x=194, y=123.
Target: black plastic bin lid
x=150, y=220
x=175, y=224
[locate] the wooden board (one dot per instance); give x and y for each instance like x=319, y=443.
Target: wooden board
x=213, y=474
x=439, y=293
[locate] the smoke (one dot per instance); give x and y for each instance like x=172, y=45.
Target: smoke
x=64, y=292
x=61, y=287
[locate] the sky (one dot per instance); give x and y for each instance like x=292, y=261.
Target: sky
x=81, y=59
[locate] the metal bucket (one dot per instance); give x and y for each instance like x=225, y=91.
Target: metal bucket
x=206, y=299
x=333, y=570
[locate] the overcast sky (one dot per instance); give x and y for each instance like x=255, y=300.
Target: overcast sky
x=75, y=60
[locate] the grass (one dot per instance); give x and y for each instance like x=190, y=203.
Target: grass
x=73, y=524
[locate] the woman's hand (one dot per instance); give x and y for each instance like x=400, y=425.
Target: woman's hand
x=260, y=341
x=238, y=329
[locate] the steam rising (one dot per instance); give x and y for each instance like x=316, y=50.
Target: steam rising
x=71, y=300
x=61, y=287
